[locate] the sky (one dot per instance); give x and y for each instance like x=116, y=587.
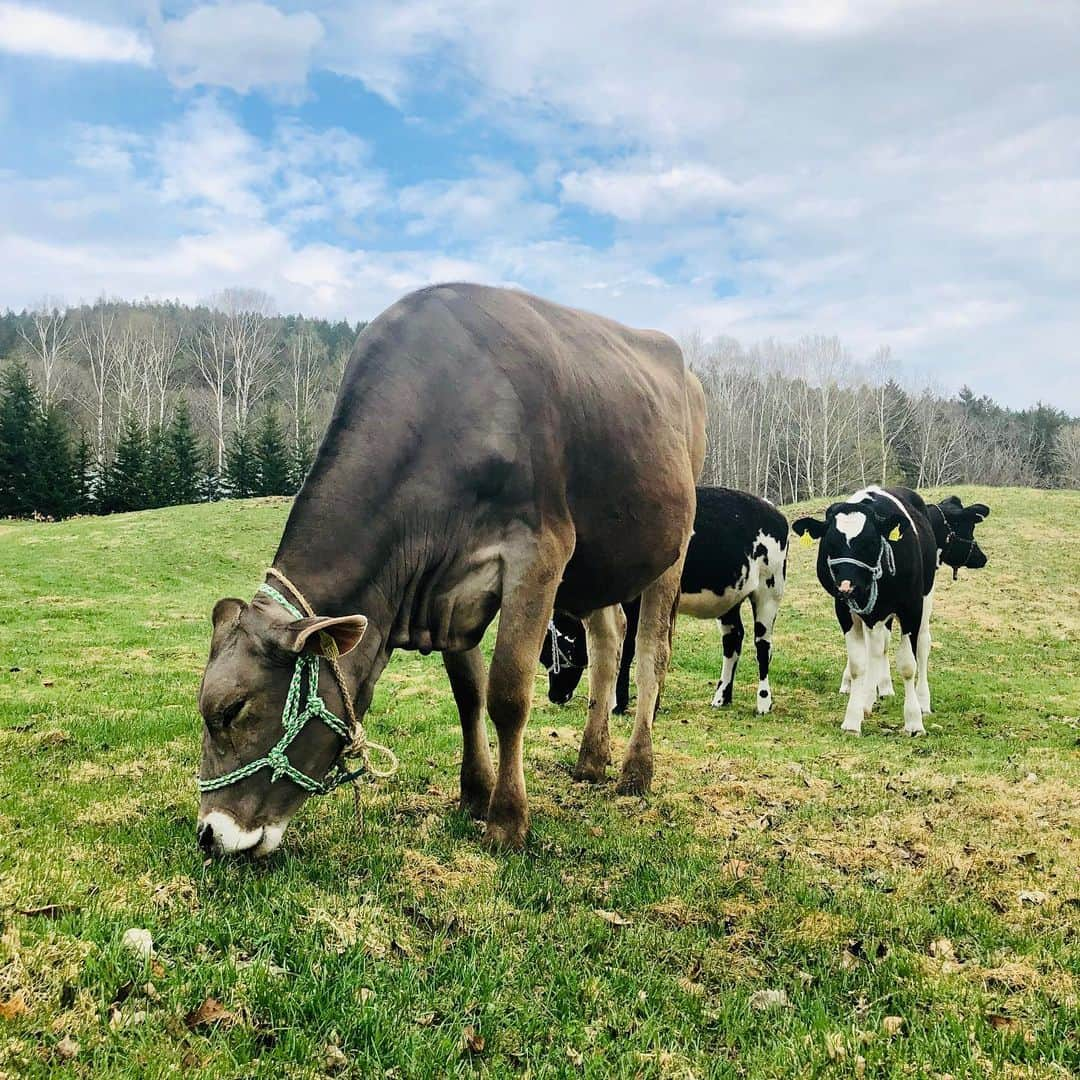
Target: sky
x=899, y=173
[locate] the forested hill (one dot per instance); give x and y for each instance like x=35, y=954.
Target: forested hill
x=124, y=406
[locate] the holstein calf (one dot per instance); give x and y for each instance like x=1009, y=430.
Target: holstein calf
x=954, y=534
x=738, y=551
x=877, y=558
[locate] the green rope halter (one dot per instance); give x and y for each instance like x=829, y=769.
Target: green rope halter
x=293, y=719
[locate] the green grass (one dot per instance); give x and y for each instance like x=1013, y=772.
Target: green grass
x=773, y=854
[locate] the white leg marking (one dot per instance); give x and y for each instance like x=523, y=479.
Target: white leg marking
x=907, y=668
x=923, y=655
x=845, y=680
x=766, y=604
x=876, y=644
x=883, y=682
x=857, y=664
x=725, y=690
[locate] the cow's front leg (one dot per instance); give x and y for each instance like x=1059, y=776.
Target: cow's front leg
x=466, y=673
x=922, y=655
x=877, y=648
x=529, y=585
x=765, y=603
x=604, y=630
x=857, y=654
x=656, y=625
x=884, y=682
x=908, y=669
x=731, y=639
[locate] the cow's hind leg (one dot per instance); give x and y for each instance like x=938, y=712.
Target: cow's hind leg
x=656, y=626
x=731, y=639
x=922, y=655
x=466, y=673
x=765, y=603
x=907, y=666
x=877, y=661
x=604, y=630
x=622, y=684
x=527, y=600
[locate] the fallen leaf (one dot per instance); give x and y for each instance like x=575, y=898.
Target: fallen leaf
x=365, y=994
x=694, y=989
x=577, y=1059
x=613, y=917
x=763, y=1000
x=47, y=682
x=737, y=868
x=892, y=1025
x=1007, y=1025
x=834, y=1046
x=211, y=1011
x=67, y=1048
x=860, y=1065
x=472, y=1042
x=424, y=1019
x=334, y=1059
x=942, y=949
x=48, y=911
x=1032, y=896
x=1028, y=858
x=14, y=1007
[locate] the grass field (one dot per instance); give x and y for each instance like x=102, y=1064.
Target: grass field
x=788, y=902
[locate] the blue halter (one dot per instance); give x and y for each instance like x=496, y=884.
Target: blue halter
x=886, y=563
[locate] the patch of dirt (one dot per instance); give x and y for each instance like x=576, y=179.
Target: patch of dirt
x=427, y=875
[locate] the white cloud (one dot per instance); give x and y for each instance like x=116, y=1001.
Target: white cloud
x=35, y=31
x=243, y=45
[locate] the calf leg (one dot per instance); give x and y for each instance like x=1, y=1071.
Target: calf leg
x=858, y=665
x=466, y=672
x=765, y=603
x=656, y=625
x=922, y=655
x=622, y=685
x=528, y=596
x=731, y=637
x=604, y=630
x=907, y=666
x=877, y=660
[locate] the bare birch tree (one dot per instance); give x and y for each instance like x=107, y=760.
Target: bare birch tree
x=50, y=340
x=96, y=335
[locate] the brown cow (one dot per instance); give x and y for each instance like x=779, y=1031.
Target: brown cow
x=489, y=452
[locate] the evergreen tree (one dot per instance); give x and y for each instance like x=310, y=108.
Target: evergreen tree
x=185, y=471
x=85, y=476
x=241, y=471
x=301, y=456
x=20, y=413
x=125, y=481
x=271, y=457
x=158, y=470
x=56, y=484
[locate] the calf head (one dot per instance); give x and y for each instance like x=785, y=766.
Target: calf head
x=565, y=655
x=851, y=555
x=956, y=539
x=255, y=651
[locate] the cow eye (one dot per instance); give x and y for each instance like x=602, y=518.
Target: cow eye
x=230, y=713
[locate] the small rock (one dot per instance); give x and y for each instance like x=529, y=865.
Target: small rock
x=138, y=941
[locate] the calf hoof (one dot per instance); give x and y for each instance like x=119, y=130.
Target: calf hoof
x=886, y=690
x=475, y=802
x=636, y=778
x=913, y=730
x=851, y=727
x=764, y=708
x=508, y=837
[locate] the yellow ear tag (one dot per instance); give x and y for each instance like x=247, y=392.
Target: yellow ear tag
x=895, y=534
x=329, y=645
x=806, y=540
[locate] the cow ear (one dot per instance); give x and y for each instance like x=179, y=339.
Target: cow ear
x=228, y=610
x=951, y=502
x=979, y=511
x=808, y=526
x=325, y=636
x=891, y=524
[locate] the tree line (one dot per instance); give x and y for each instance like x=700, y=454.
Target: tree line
x=119, y=406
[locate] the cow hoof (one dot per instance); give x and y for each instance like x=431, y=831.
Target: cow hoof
x=506, y=835
x=886, y=691
x=764, y=708
x=590, y=771
x=636, y=778
x=914, y=732
x=475, y=804
x=851, y=728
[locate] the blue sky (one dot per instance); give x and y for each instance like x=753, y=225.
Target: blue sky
x=901, y=173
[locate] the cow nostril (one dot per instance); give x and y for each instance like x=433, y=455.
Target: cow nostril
x=205, y=836
x=845, y=586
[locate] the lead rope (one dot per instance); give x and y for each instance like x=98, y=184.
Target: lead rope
x=359, y=745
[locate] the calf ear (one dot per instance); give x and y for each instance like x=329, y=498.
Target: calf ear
x=891, y=523
x=325, y=636
x=808, y=526
x=952, y=502
x=979, y=511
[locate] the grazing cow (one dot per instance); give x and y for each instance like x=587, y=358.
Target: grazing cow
x=738, y=550
x=489, y=452
x=877, y=558
x=954, y=534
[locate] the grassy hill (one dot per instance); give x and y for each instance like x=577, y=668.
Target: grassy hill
x=917, y=903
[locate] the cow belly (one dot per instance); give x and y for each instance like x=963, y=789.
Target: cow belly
x=709, y=605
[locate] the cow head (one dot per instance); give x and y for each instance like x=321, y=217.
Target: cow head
x=957, y=539
x=254, y=654
x=851, y=538
x=565, y=655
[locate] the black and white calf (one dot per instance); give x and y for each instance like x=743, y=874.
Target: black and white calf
x=954, y=535
x=738, y=551
x=878, y=558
